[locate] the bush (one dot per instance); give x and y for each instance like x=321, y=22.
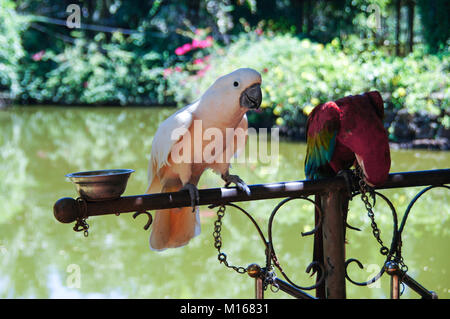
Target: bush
x=299, y=74
x=85, y=74
x=11, y=50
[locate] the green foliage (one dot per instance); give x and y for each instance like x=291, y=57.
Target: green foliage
x=87, y=74
x=11, y=27
x=307, y=51
x=299, y=74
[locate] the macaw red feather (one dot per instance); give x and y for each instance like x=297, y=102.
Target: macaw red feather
x=336, y=131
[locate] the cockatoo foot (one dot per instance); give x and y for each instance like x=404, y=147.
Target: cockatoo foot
x=235, y=179
x=193, y=194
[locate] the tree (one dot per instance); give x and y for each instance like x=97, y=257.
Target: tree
x=435, y=20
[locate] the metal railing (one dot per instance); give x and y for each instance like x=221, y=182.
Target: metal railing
x=334, y=194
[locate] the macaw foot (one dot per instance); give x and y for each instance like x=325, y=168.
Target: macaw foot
x=240, y=184
x=193, y=194
x=348, y=176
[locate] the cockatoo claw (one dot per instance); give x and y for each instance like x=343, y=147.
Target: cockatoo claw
x=193, y=194
x=240, y=184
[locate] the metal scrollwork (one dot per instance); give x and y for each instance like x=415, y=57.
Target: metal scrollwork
x=149, y=221
x=393, y=254
x=389, y=253
x=315, y=266
x=268, y=274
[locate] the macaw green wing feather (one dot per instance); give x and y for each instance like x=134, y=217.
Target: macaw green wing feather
x=322, y=128
x=319, y=151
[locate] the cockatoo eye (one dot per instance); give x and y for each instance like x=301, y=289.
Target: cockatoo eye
x=236, y=84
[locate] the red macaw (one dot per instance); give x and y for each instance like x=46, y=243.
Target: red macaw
x=343, y=133
x=340, y=132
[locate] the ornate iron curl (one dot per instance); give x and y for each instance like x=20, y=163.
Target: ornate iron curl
x=413, y=201
x=392, y=250
x=270, y=252
x=261, y=234
x=314, y=265
x=149, y=221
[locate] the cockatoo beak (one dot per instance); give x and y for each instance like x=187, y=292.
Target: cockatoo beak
x=251, y=97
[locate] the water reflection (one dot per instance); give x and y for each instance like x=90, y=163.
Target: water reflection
x=41, y=258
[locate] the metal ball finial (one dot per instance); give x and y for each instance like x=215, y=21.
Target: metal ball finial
x=66, y=210
x=253, y=270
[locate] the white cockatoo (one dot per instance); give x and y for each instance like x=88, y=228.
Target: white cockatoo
x=195, y=138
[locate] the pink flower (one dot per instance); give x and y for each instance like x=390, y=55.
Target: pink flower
x=38, y=56
x=196, y=43
x=178, y=69
x=179, y=51
x=183, y=49
x=198, y=61
x=187, y=47
x=259, y=31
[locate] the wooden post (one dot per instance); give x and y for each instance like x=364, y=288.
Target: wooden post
x=333, y=228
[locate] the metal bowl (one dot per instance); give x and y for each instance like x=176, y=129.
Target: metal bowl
x=102, y=184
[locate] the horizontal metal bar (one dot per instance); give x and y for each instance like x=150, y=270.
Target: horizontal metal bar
x=67, y=210
x=291, y=290
x=418, y=288
x=417, y=178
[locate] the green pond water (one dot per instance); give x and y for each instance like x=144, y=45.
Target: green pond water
x=42, y=258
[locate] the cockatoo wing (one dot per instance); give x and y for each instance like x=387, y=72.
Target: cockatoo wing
x=169, y=132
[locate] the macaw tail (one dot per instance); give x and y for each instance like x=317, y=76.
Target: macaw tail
x=174, y=227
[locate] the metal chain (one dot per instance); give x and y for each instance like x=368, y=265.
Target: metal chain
x=82, y=225
x=222, y=257
x=268, y=272
x=364, y=188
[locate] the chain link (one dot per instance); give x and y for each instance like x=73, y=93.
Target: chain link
x=82, y=225
x=364, y=188
x=222, y=257
x=268, y=272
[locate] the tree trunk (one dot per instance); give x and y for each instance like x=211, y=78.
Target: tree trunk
x=309, y=16
x=411, y=6
x=299, y=13
x=398, y=6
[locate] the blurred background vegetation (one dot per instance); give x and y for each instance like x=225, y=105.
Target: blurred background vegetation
x=164, y=54
x=167, y=52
